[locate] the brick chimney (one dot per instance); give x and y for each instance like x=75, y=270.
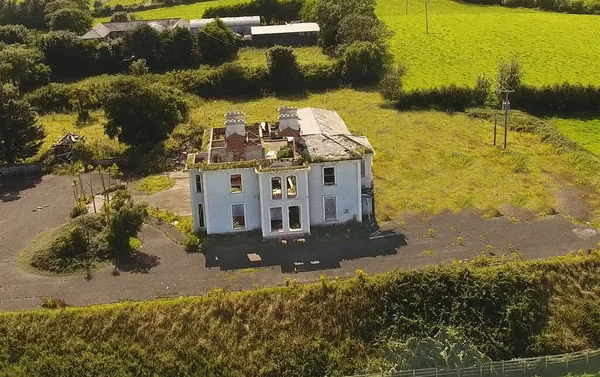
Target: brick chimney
x=235, y=123
x=288, y=118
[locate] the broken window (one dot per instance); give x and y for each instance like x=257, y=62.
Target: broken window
x=329, y=176
x=330, y=207
x=201, y=215
x=236, y=182
x=276, y=219
x=362, y=168
x=276, y=188
x=294, y=217
x=291, y=186
x=198, y=183
x=238, y=216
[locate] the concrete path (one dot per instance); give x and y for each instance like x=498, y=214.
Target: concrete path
x=166, y=270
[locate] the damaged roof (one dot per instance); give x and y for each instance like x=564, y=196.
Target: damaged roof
x=326, y=137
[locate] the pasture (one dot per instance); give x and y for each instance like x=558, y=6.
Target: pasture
x=585, y=131
x=188, y=11
x=466, y=40
x=426, y=162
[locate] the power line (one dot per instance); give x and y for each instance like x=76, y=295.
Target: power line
x=220, y=40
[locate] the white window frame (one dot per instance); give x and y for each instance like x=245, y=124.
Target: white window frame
x=202, y=215
x=198, y=182
x=286, y=186
x=231, y=213
x=336, y=208
x=281, y=186
x=299, y=215
x=334, y=176
x=271, y=221
x=241, y=183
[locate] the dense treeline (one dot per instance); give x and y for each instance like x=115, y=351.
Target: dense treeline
x=272, y=11
x=73, y=15
x=567, y=6
x=334, y=328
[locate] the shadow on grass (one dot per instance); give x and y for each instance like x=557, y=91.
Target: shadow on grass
x=11, y=187
x=324, y=249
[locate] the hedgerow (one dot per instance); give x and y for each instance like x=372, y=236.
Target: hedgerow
x=507, y=309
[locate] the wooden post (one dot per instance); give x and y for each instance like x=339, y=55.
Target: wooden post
x=502, y=366
x=546, y=363
x=426, y=19
x=481, y=369
x=436, y=372
x=495, y=128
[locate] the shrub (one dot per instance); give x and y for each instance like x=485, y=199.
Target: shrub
x=390, y=85
x=363, y=63
x=10, y=34
x=155, y=183
x=273, y=11
x=53, y=303
x=284, y=71
x=318, y=76
x=79, y=209
x=191, y=243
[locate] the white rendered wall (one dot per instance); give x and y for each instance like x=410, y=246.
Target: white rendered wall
x=347, y=188
x=218, y=199
x=196, y=197
x=301, y=200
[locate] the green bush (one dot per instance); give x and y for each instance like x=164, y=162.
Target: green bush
x=284, y=71
x=272, y=11
x=363, y=63
x=191, y=243
x=216, y=43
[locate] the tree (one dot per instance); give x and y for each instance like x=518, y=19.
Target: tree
x=363, y=63
x=83, y=101
x=139, y=67
x=23, y=66
x=182, y=49
x=483, y=89
x=20, y=134
x=10, y=34
x=110, y=56
x=144, y=43
x=125, y=221
x=67, y=54
x=122, y=17
x=284, y=71
x=71, y=19
x=390, y=85
x=509, y=74
x=141, y=113
x=357, y=27
x=216, y=42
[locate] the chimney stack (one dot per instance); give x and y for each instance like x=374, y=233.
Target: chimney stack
x=235, y=123
x=288, y=118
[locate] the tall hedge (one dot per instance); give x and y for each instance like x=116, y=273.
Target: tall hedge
x=273, y=11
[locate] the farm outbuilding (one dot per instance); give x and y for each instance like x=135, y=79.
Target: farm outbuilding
x=293, y=34
x=240, y=25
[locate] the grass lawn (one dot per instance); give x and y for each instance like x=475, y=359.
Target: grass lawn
x=584, y=131
x=112, y=3
x=428, y=162
x=465, y=40
x=155, y=183
x=56, y=125
x=257, y=56
x=188, y=11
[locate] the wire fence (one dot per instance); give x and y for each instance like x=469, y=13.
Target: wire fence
x=552, y=366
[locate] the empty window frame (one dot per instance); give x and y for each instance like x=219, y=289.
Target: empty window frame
x=198, y=183
x=329, y=176
x=362, y=168
x=201, y=215
x=276, y=189
x=292, y=188
x=238, y=215
x=235, y=181
x=330, y=208
x=276, y=214
x=294, y=217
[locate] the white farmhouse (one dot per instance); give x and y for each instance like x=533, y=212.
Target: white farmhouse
x=307, y=169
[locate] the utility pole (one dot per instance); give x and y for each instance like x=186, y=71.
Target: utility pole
x=506, y=107
x=426, y=19
x=495, y=128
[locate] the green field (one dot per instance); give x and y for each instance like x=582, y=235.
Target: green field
x=305, y=55
x=190, y=12
x=112, y=3
x=465, y=40
x=426, y=162
x=584, y=131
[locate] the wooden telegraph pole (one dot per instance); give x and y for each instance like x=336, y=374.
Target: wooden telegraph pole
x=426, y=19
x=505, y=107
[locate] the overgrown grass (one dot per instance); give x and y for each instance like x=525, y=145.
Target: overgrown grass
x=333, y=328
x=585, y=131
x=155, y=183
x=257, y=56
x=56, y=125
x=465, y=40
x=428, y=162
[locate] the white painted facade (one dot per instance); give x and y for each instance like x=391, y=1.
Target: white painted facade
x=282, y=196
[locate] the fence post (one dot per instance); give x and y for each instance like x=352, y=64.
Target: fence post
x=587, y=357
x=524, y=366
x=502, y=366
x=481, y=369
x=414, y=373
x=546, y=363
x=436, y=372
x=567, y=362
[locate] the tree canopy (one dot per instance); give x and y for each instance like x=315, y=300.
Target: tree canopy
x=23, y=66
x=216, y=42
x=20, y=134
x=140, y=113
